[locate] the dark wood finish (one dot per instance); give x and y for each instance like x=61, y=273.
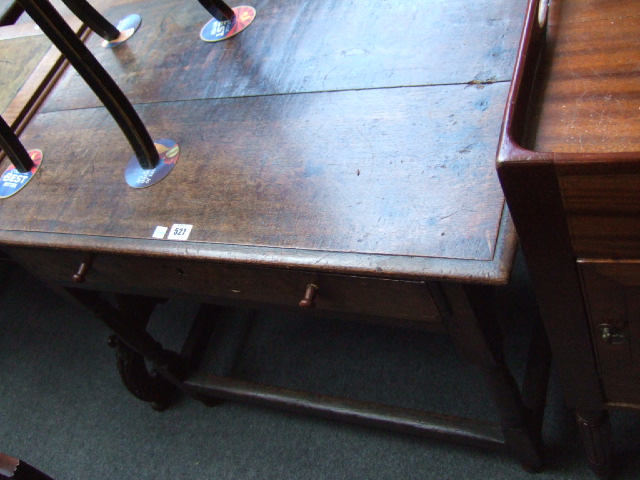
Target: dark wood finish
x=536, y=380
x=241, y=285
x=603, y=211
x=480, y=341
x=136, y=377
x=81, y=275
x=543, y=234
x=20, y=52
x=569, y=164
x=320, y=197
x=455, y=230
x=31, y=67
x=596, y=435
x=307, y=46
x=586, y=109
x=128, y=320
x=612, y=295
x=95, y=76
x=309, y=296
x=591, y=74
x=138, y=380
x=414, y=422
x=201, y=330
x=325, y=145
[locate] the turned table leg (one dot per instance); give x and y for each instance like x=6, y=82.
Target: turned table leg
x=474, y=329
x=135, y=348
x=128, y=319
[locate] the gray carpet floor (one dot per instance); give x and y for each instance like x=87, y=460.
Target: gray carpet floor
x=64, y=410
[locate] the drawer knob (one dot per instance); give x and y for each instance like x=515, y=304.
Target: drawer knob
x=309, y=296
x=611, y=335
x=81, y=275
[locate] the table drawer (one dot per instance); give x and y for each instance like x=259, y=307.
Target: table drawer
x=612, y=296
x=239, y=284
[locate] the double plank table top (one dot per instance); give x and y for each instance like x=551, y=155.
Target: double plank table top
x=353, y=137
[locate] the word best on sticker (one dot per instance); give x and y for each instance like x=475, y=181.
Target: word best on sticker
x=179, y=231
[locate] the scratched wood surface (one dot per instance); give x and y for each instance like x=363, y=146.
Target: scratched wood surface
x=100, y=5
x=365, y=136
x=350, y=171
x=565, y=12
x=20, y=53
x=592, y=79
x=306, y=46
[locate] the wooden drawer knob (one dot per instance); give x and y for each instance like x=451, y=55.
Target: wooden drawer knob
x=309, y=296
x=81, y=275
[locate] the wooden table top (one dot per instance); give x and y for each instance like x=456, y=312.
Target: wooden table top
x=339, y=136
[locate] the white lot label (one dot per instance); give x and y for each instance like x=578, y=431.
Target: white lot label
x=160, y=232
x=179, y=231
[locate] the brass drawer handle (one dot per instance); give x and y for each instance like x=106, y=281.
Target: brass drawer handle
x=309, y=296
x=611, y=335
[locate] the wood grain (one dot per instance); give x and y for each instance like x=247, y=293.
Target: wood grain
x=409, y=302
x=571, y=12
x=306, y=46
x=365, y=171
x=357, y=146
x=327, y=140
x=592, y=81
x=18, y=57
x=611, y=294
x=571, y=178
x=34, y=66
x=101, y=5
x=603, y=213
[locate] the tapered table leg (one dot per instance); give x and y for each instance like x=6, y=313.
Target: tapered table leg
x=595, y=431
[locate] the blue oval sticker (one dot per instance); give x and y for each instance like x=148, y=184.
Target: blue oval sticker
x=215, y=30
x=12, y=181
x=138, y=177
